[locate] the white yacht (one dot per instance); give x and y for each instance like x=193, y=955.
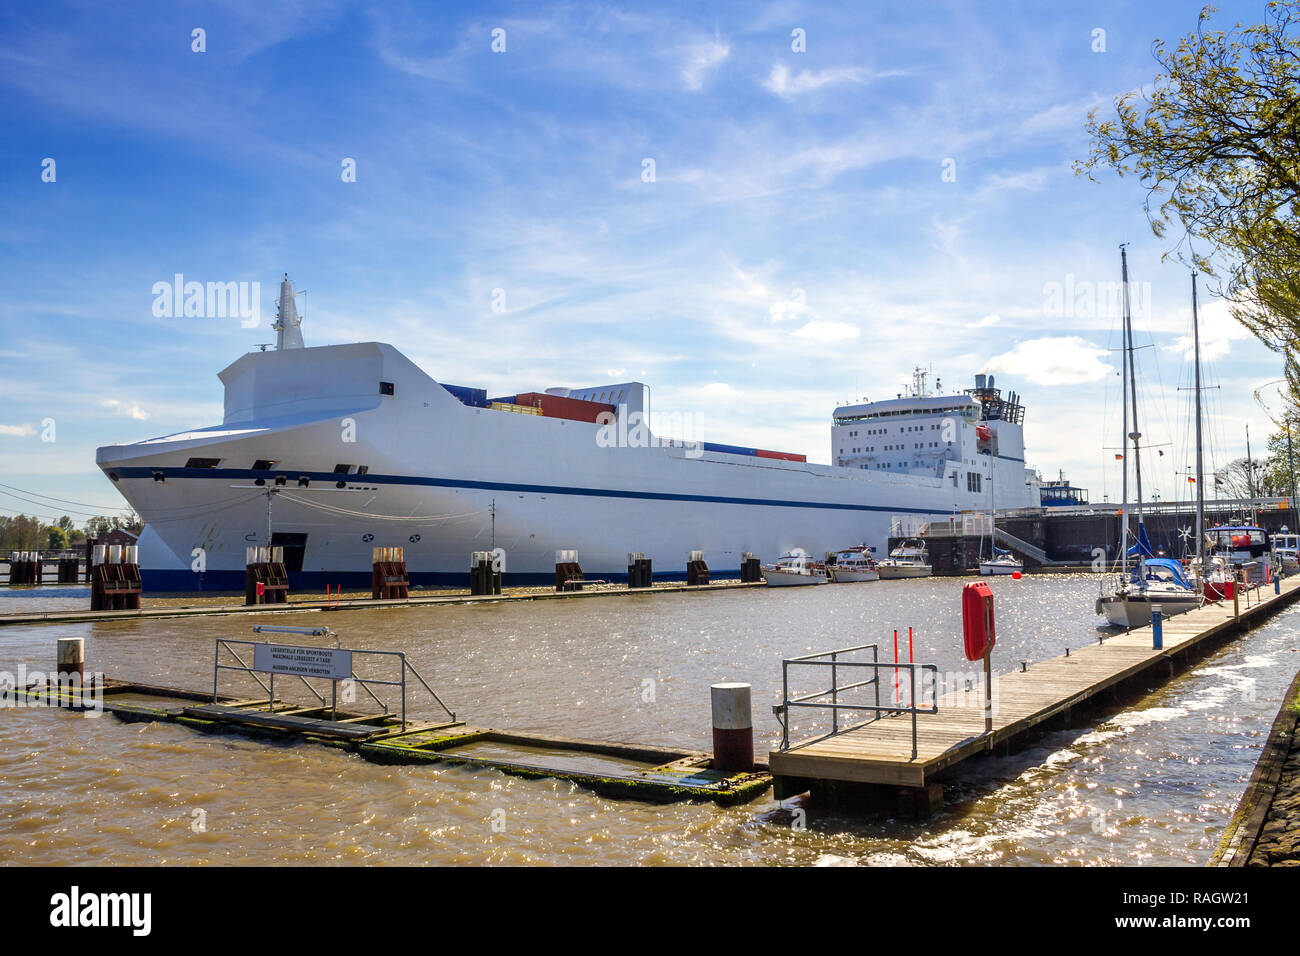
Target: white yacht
x=853, y=565
x=1004, y=563
x=795, y=569
x=908, y=560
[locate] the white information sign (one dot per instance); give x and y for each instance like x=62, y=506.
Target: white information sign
x=331, y=663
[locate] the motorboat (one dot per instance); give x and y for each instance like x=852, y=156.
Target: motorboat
x=795, y=569
x=909, y=559
x=853, y=565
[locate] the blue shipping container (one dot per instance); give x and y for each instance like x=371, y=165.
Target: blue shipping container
x=474, y=397
x=730, y=449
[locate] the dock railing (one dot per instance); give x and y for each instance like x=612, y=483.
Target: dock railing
x=843, y=658
x=242, y=666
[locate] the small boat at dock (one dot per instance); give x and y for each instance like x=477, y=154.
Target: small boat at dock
x=1003, y=563
x=909, y=559
x=795, y=569
x=853, y=565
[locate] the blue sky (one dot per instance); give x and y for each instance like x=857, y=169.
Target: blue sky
x=799, y=246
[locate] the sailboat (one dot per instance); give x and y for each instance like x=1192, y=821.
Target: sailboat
x=1152, y=582
x=999, y=560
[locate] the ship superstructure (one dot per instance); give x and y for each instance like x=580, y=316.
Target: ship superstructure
x=332, y=451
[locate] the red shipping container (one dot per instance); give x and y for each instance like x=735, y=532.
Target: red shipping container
x=781, y=455
x=555, y=406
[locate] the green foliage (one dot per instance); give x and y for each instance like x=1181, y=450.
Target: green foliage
x=20, y=533
x=1215, y=139
x=56, y=538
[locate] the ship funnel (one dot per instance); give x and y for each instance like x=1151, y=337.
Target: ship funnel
x=979, y=380
x=288, y=327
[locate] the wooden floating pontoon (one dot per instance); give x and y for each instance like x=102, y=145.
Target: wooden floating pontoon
x=632, y=771
x=880, y=752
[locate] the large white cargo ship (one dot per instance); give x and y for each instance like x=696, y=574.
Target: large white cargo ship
x=332, y=451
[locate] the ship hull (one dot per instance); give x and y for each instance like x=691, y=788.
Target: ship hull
x=445, y=480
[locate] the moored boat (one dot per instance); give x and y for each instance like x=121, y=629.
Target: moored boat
x=909, y=559
x=795, y=569
x=853, y=565
x=1155, y=582
x=1003, y=563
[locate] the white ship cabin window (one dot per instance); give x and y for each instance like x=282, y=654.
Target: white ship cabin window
x=203, y=463
x=363, y=469
x=264, y=464
x=342, y=469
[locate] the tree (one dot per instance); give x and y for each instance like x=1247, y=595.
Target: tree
x=56, y=538
x=1216, y=142
x=1234, y=480
x=1278, y=472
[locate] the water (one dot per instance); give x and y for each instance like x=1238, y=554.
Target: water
x=1155, y=783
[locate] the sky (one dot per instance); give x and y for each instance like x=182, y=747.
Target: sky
x=673, y=194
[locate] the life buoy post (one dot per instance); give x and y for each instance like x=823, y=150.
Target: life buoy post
x=979, y=636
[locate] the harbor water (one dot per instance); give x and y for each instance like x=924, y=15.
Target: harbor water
x=1153, y=782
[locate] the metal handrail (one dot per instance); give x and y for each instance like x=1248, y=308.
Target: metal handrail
x=832, y=659
x=363, y=682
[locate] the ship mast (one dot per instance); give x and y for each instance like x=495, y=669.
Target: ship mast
x=288, y=327
x=1200, y=486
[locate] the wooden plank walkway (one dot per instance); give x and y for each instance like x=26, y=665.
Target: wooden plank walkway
x=881, y=752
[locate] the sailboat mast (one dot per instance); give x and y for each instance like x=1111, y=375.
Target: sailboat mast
x=1200, y=485
x=1135, y=434
x=1250, y=475
x=1123, y=506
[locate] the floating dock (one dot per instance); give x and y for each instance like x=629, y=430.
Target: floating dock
x=879, y=752
x=629, y=771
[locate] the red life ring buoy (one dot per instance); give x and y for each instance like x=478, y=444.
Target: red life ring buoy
x=977, y=620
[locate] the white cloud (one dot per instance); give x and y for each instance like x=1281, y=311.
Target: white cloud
x=131, y=409
x=828, y=331
x=789, y=308
x=17, y=431
x=700, y=59
x=787, y=85
x=1218, y=331
x=988, y=320
x=1068, y=360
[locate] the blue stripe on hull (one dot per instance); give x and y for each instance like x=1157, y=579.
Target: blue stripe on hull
x=225, y=474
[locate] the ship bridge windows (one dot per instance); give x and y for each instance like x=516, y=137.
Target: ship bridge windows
x=203, y=463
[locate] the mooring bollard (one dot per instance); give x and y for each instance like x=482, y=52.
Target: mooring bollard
x=733, y=728
x=1157, y=629
x=70, y=671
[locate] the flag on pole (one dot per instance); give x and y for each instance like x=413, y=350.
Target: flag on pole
x=1119, y=457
